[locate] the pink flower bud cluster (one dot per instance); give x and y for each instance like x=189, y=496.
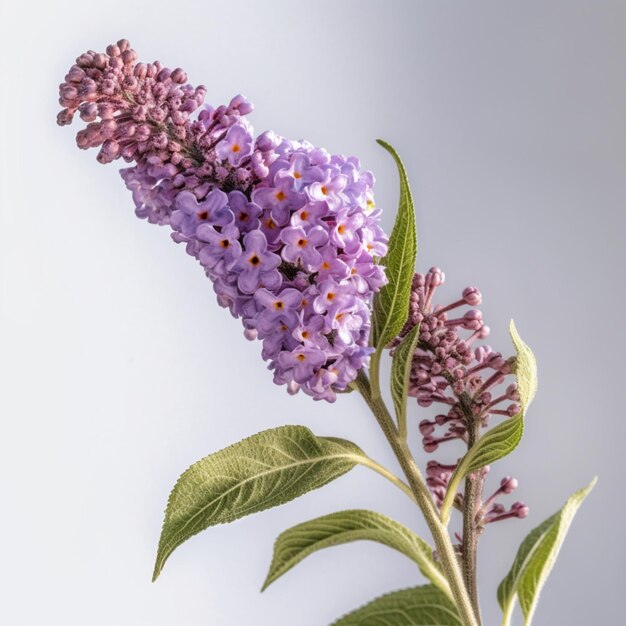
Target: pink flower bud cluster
x=466, y=380
x=133, y=110
x=448, y=370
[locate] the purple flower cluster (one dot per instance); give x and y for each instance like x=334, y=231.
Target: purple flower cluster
x=288, y=233
x=448, y=370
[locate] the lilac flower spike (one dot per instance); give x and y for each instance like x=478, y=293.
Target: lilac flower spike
x=287, y=233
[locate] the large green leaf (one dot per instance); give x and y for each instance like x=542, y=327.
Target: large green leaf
x=497, y=443
x=296, y=543
x=536, y=557
x=400, y=372
x=525, y=369
x=263, y=471
x=391, y=303
x=419, y=606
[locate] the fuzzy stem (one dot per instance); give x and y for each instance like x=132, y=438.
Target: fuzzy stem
x=414, y=477
x=472, y=498
x=471, y=501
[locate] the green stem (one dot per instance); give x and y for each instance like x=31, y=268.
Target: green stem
x=374, y=381
x=424, y=500
x=507, y=614
x=390, y=476
x=471, y=497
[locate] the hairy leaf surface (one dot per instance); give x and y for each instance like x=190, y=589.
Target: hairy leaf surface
x=400, y=372
x=391, y=303
x=419, y=606
x=262, y=471
x=296, y=543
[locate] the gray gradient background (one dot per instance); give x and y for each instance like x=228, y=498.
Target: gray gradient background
x=120, y=369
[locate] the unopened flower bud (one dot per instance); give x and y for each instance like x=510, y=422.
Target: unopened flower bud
x=520, y=509
x=508, y=484
x=435, y=277
x=472, y=296
x=179, y=76
x=430, y=445
x=473, y=319
x=426, y=427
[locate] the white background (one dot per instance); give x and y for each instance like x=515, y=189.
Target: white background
x=119, y=369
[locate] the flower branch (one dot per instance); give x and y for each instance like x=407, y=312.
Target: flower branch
x=290, y=238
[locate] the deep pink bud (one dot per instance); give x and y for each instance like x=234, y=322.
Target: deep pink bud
x=426, y=427
x=100, y=60
x=179, y=76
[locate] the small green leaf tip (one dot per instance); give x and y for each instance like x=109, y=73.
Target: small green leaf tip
x=536, y=557
x=525, y=369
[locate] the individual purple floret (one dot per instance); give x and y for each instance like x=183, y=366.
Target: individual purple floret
x=288, y=234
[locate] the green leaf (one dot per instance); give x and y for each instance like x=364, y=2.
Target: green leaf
x=293, y=545
x=391, y=303
x=525, y=369
x=260, y=472
x=535, y=558
x=419, y=606
x=495, y=444
x=400, y=372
